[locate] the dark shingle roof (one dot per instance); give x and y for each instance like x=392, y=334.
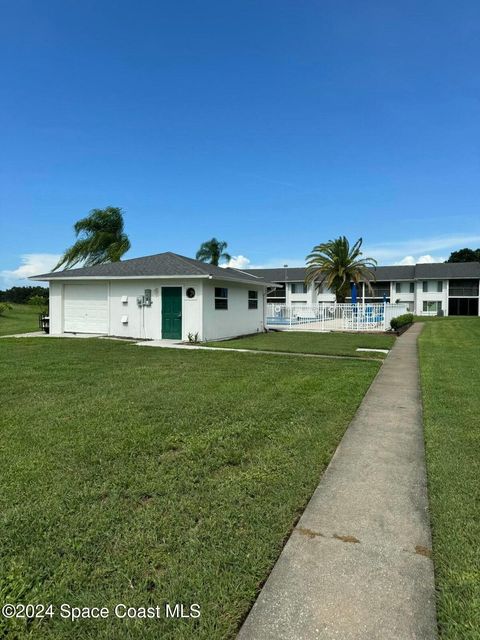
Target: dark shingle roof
x=434, y=270
x=448, y=270
x=297, y=274
x=160, y=264
x=400, y=272
x=279, y=274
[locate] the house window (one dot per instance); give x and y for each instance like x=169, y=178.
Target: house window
x=432, y=305
x=298, y=287
x=221, y=298
x=405, y=287
x=253, y=299
x=432, y=286
x=322, y=288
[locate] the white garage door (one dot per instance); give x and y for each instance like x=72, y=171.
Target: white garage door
x=85, y=308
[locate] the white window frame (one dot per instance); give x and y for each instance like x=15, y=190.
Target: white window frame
x=221, y=299
x=252, y=299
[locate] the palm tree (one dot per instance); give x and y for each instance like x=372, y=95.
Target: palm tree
x=213, y=251
x=336, y=265
x=102, y=239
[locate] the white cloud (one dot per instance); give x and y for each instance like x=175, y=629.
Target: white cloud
x=239, y=262
x=276, y=263
x=407, y=260
x=32, y=264
x=429, y=259
x=419, y=249
x=242, y=262
x=421, y=259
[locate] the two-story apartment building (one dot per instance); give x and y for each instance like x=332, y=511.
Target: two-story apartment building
x=427, y=289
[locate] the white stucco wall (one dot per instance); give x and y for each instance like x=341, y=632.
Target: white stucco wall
x=198, y=314
x=55, y=310
x=421, y=295
x=403, y=297
x=238, y=319
x=146, y=322
x=142, y=322
x=311, y=297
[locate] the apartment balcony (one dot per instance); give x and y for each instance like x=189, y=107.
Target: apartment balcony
x=277, y=293
x=459, y=292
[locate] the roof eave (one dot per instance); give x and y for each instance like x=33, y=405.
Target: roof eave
x=50, y=277
x=57, y=278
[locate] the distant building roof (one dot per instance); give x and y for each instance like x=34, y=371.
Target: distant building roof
x=436, y=270
x=279, y=274
x=166, y=264
x=448, y=270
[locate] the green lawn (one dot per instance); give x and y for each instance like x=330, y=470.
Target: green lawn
x=450, y=357
x=335, y=343
x=144, y=476
x=22, y=318
x=434, y=318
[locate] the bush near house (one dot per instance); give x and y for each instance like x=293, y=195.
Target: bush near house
x=401, y=321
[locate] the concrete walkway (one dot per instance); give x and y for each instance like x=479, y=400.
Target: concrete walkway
x=174, y=344
x=357, y=566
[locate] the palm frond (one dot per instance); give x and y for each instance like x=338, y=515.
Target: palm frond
x=101, y=239
x=213, y=251
x=336, y=264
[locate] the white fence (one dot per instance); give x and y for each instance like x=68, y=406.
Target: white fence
x=330, y=316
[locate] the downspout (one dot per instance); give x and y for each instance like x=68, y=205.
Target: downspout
x=264, y=309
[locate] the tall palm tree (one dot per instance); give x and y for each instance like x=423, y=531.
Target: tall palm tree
x=100, y=239
x=213, y=251
x=336, y=265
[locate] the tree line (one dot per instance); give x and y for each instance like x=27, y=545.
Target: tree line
x=23, y=295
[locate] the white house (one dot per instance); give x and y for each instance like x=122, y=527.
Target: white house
x=159, y=296
x=426, y=289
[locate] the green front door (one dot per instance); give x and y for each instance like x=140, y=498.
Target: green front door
x=172, y=312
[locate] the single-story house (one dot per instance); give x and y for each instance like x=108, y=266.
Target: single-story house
x=157, y=297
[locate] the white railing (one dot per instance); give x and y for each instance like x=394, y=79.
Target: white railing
x=330, y=316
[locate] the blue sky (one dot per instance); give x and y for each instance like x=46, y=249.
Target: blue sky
x=273, y=125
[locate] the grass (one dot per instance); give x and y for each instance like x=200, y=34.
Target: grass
x=433, y=318
x=335, y=343
x=144, y=476
x=22, y=318
x=449, y=357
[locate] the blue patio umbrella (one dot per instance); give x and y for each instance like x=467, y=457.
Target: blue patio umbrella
x=354, y=293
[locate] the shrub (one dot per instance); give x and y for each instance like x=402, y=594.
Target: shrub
x=401, y=321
